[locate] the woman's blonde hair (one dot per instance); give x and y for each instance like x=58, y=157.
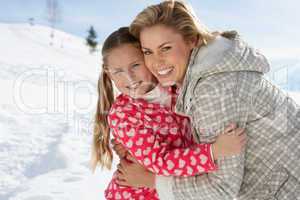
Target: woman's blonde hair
x=101, y=150
x=174, y=14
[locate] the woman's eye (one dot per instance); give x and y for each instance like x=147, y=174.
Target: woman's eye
x=166, y=48
x=146, y=53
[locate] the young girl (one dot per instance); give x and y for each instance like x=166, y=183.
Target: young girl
x=142, y=119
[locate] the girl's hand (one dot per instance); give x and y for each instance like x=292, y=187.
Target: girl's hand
x=120, y=150
x=134, y=174
x=230, y=142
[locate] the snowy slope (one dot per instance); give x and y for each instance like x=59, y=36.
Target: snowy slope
x=48, y=97
x=286, y=73
x=47, y=103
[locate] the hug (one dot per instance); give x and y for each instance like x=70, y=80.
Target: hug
x=195, y=117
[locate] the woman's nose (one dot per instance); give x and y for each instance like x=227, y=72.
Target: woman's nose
x=158, y=60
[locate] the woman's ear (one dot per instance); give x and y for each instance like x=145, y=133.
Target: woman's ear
x=193, y=42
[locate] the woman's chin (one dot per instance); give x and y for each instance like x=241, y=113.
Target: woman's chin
x=166, y=83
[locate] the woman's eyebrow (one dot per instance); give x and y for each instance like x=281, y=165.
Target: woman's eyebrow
x=158, y=46
x=164, y=44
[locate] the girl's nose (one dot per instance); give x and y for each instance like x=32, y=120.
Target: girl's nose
x=131, y=76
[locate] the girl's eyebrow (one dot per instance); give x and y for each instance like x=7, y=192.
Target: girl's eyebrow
x=114, y=68
x=159, y=45
x=120, y=68
x=134, y=62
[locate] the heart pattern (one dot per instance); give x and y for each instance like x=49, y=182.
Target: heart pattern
x=181, y=163
x=176, y=153
x=190, y=171
x=159, y=139
x=160, y=162
x=174, y=130
x=200, y=169
x=138, y=153
x=148, y=111
x=114, y=122
x=132, y=119
x=143, y=131
x=126, y=195
x=186, y=152
x=203, y=159
x=147, y=151
x=193, y=161
x=169, y=119
x=121, y=134
x=131, y=132
x=138, y=115
x=140, y=142
x=150, y=139
x=118, y=195
x=120, y=115
x=158, y=119
x=177, y=143
x=129, y=144
x=147, y=161
x=170, y=165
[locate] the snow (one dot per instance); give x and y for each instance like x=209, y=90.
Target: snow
x=47, y=106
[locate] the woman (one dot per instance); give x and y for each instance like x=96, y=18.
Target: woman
x=220, y=79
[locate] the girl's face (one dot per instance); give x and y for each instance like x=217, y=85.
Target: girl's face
x=166, y=53
x=126, y=67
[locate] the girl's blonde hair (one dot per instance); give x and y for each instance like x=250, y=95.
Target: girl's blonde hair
x=101, y=150
x=174, y=14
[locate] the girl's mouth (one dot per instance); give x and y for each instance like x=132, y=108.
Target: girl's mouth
x=135, y=85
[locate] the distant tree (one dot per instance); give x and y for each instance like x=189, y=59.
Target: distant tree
x=53, y=16
x=31, y=21
x=91, y=39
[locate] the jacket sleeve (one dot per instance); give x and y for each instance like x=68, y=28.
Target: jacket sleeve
x=214, y=106
x=152, y=151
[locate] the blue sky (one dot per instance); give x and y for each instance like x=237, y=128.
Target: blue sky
x=271, y=25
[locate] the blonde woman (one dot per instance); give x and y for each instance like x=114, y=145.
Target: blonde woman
x=220, y=79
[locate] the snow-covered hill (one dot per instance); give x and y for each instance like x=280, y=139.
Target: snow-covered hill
x=286, y=73
x=47, y=102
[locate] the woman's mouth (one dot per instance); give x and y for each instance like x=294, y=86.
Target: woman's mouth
x=165, y=72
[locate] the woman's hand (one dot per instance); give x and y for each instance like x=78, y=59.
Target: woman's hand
x=131, y=173
x=230, y=142
x=120, y=150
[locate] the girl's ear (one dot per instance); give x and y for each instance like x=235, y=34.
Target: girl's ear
x=108, y=74
x=106, y=71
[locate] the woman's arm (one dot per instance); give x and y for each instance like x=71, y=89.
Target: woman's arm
x=213, y=106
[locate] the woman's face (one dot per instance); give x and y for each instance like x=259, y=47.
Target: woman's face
x=126, y=67
x=166, y=53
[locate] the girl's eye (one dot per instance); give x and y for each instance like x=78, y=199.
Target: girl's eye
x=166, y=48
x=116, y=72
x=135, y=65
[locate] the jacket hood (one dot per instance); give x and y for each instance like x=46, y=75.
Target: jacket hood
x=227, y=55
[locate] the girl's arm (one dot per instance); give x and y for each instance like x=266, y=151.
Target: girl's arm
x=154, y=153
